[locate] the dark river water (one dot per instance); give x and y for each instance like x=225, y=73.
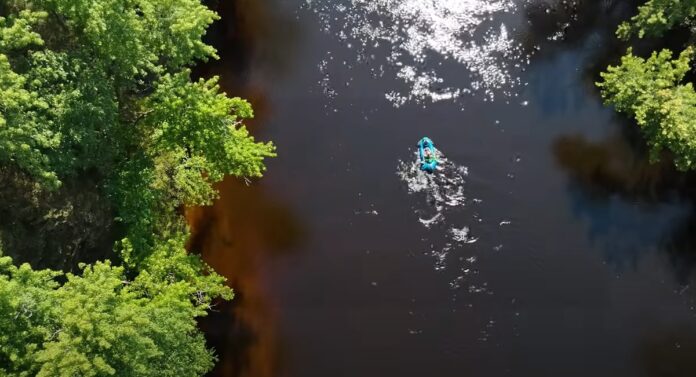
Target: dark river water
x=548, y=246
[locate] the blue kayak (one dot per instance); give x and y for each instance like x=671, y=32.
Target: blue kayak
x=427, y=163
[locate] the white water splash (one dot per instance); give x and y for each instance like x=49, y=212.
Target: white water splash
x=433, y=220
x=462, y=235
x=443, y=188
x=325, y=82
x=444, y=195
x=443, y=191
x=441, y=256
x=421, y=37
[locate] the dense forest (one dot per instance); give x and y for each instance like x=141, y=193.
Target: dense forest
x=97, y=97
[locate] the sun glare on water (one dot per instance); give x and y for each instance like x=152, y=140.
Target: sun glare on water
x=421, y=38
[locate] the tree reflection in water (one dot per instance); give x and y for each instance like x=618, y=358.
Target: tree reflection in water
x=237, y=236
x=246, y=227
x=616, y=172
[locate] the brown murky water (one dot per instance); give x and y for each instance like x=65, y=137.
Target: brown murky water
x=557, y=249
x=238, y=236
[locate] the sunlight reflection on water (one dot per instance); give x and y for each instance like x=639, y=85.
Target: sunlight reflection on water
x=412, y=32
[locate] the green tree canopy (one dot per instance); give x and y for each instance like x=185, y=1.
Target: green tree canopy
x=657, y=16
x=100, y=324
x=652, y=91
x=102, y=89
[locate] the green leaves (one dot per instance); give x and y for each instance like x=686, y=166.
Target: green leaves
x=101, y=89
x=23, y=135
x=83, y=110
x=108, y=329
x=27, y=316
x=171, y=265
x=191, y=137
x=207, y=125
x=101, y=324
x=136, y=37
x=651, y=91
x=24, y=138
x=657, y=16
x=16, y=31
x=67, y=107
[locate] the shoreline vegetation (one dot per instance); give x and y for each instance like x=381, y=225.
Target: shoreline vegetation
x=97, y=95
x=657, y=91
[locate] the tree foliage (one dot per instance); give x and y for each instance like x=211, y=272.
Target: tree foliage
x=100, y=324
x=102, y=86
x=191, y=137
x=657, y=16
x=25, y=135
x=654, y=90
x=102, y=89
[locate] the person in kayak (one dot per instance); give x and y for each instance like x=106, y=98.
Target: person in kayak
x=429, y=156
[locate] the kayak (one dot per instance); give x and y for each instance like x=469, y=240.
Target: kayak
x=425, y=164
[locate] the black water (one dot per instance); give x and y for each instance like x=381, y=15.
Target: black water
x=584, y=252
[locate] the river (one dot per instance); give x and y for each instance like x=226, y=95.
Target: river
x=548, y=247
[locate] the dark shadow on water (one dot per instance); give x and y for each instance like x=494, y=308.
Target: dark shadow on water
x=680, y=245
x=620, y=165
x=238, y=236
x=252, y=37
x=614, y=187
